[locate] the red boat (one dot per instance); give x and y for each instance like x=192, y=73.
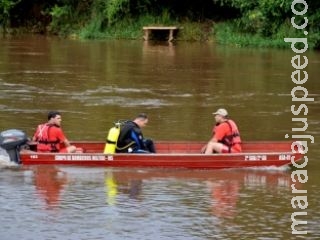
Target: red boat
x=172, y=155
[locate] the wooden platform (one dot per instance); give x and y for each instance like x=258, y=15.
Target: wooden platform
x=148, y=30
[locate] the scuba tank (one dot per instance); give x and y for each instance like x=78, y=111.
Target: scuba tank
x=112, y=139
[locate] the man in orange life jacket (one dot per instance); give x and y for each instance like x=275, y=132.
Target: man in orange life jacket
x=225, y=135
x=50, y=137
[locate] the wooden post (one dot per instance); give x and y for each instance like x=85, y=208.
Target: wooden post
x=170, y=35
x=146, y=34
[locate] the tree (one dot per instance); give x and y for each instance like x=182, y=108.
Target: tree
x=5, y=7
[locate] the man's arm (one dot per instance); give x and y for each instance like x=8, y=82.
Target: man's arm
x=66, y=142
x=135, y=138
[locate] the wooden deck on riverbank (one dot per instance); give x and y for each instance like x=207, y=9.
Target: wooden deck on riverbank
x=149, y=29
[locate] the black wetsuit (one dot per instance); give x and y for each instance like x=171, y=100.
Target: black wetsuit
x=131, y=139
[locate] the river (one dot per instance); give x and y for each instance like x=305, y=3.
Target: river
x=94, y=83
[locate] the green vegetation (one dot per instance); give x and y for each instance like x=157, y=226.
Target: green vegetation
x=266, y=22
x=260, y=23
x=5, y=7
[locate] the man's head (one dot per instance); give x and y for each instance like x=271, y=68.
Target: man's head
x=54, y=117
x=141, y=120
x=220, y=115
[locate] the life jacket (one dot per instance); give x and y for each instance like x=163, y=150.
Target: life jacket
x=233, y=138
x=42, y=137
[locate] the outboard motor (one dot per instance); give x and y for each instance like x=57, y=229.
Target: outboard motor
x=11, y=140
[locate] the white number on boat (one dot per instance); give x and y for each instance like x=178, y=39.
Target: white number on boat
x=255, y=157
x=284, y=157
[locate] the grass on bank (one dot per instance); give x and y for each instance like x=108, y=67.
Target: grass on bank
x=124, y=29
x=227, y=33
x=224, y=33
x=132, y=29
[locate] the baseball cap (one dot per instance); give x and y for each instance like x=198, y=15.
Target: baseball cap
x=221, y=111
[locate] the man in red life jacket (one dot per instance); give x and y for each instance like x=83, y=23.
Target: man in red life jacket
x=225, y=135
x=50, y=137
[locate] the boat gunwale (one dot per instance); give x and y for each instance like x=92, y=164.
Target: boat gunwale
x=163, y=154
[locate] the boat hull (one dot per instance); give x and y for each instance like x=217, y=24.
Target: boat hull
x=172, y=155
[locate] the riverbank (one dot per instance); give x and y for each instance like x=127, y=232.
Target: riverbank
x=260, y=23
x=223, y=33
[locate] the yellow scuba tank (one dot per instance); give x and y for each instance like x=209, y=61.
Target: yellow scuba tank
x=112, y=139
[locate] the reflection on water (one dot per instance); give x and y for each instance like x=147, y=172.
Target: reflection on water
x=224, y=187
x=225, y=196
x=111, y=188
x=49, y=182
x=197, y=202
x=158, y=49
